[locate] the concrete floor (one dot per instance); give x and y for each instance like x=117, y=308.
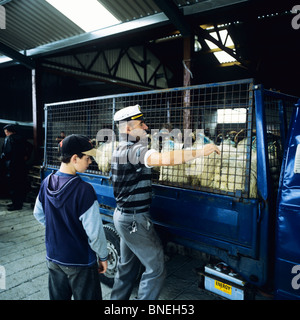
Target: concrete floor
x=22, y=254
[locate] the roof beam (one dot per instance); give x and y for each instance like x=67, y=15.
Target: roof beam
x=207, y=5
x=175, y=16
x=90, y=38
x=15, y=55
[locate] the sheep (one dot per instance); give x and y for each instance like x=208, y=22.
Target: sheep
x=233, y=173
x=171, y=140
x=236, y=173
x=219, y=172
x=230, y=161
x=202, y=171
x=174, y=174
x=104, y=155
x=226, y=171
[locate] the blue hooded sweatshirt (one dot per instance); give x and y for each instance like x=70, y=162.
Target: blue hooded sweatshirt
x=69, y=209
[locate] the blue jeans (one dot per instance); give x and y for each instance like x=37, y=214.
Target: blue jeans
x=81, y=282
x=142, y=246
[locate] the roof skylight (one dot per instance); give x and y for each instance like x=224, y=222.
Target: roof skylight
x=89, y=15
x=226, y=40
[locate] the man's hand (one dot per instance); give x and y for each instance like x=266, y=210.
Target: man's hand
x=210, y=148
x=102, y=266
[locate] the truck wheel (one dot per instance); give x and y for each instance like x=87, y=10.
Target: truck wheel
x=113, y=247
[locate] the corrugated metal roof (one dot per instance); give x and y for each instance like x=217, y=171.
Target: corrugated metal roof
x=32, y=23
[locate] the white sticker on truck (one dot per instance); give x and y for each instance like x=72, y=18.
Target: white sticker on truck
x=297, y=160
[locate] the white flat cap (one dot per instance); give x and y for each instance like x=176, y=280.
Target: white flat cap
x=129, y=113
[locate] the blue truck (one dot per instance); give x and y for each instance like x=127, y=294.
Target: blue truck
x=240, y=208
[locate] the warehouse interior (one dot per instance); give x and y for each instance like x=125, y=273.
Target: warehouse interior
x=191, y=65
x=151, y=44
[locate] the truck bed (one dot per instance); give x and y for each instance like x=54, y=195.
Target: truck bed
x=223, y=206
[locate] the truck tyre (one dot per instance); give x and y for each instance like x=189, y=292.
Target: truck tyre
x=113, y=247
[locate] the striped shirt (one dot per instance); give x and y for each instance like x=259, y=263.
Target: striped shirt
x=131, y=176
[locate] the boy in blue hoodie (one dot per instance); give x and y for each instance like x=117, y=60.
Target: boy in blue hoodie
x=68, y=208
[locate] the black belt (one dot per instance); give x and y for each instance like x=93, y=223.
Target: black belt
x=132, y=211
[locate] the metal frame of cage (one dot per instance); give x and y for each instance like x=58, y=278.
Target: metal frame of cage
x=177, y=118
x=277, y=109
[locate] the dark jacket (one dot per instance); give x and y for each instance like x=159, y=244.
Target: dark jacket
x=13, y=153
x=69, y=209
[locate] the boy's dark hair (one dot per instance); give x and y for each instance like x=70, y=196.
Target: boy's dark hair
x=67, y=159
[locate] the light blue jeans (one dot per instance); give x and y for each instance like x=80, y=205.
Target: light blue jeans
x=142, y=246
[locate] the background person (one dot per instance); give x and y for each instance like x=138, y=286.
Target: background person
x=13, y=157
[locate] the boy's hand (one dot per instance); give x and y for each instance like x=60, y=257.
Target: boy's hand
x=102, y=266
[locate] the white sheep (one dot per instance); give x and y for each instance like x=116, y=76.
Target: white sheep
x=175, y=174
x=104, y=155
x=202, y=171
x=223, y=172
x=226, y=171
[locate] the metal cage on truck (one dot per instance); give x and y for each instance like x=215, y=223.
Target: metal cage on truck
x=223, y=205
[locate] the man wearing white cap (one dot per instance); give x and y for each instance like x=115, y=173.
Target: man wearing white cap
x=131, y=175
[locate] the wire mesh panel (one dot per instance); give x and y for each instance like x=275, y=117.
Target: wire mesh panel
x=75, y=117
x=278, y=111
x=181, y=118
